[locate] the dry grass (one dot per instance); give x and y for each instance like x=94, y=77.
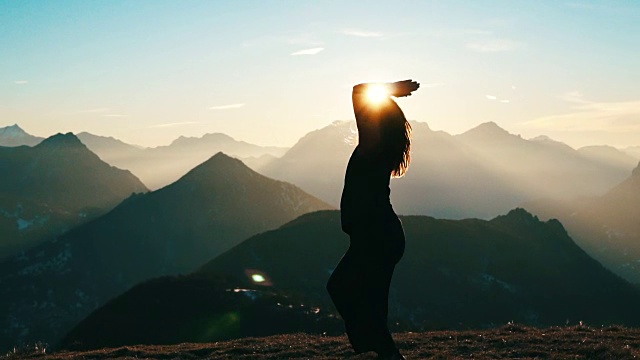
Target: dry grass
x=507, y=342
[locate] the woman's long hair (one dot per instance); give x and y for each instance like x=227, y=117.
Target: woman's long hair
x=395, y=133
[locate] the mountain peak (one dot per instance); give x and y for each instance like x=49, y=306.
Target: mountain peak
x=491, y=126
x=61, y=140
x=217, y=136
x=518, y=217
x=14, y=136
x=221, y=157
x=12, y=131
x=209, y=137
x=636, y=171
x=523, y=215
x=488, y=129
x=220, y=163
x=542, y=138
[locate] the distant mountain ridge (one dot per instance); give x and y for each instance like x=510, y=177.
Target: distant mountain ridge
x=157, y=166
x=607, y=227
x=480, y=173
x=543, y=168
x=166, y=232
x=162, y=165
x=609, y=155
x=53, y=186
x=456, y=274
x=61, y=170
x=474, y=154
x=14, y=136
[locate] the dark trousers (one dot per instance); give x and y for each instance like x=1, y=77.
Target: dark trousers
x=359, y=286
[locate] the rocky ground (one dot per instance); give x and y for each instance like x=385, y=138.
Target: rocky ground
x=507, y=342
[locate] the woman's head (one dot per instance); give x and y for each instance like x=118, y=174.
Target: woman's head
x=381, y=122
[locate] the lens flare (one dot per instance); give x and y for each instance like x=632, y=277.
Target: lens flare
x=377, y=93
x=258, y=277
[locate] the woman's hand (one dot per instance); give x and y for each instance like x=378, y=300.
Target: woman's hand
x=402, y=88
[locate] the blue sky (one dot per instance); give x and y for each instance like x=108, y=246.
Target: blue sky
x=268, y=72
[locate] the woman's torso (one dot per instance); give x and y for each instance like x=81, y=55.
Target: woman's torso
x=365, y=197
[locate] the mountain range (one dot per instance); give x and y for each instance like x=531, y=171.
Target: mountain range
x=157, y=166
x=170, y=231
x=162, y=165
x=481, y=173
x=607, y=226
x=456, y=274
x=54, y=186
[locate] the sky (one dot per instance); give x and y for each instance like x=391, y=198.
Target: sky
x=268, y=72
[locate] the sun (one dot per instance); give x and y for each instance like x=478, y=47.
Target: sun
x=377, y=93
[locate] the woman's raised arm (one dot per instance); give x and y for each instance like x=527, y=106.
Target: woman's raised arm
x=396, y=89
x=403, y=88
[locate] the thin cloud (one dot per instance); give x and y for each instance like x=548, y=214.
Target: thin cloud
x=21, y=82
x=619, y=117
x=91, y=111
x=174, y=124
x=225, y=107
x=115, y=115
x=493, y=45
x=362, y=33
x=495, y=98
x=574, y=97
x=311, y=51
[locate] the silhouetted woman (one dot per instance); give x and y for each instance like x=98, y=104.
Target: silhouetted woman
x=359, y=286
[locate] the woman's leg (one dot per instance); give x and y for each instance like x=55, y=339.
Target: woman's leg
x=348, y=294
x=374, y=310
x=359, y=288
x=382, y=265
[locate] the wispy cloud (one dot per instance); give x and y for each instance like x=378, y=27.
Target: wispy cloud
x=225, y=107
x=493, y=45
x=174, y=124
x=621, y=116
x=362, y=33
x=311, y=51
x=115, y=115
x=574, y=97
x=91, y=111
x=21, y=82
x=495, y=98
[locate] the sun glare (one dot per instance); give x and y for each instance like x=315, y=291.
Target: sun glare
x=377, y=93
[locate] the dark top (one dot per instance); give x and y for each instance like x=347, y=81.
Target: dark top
x=365, y=197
